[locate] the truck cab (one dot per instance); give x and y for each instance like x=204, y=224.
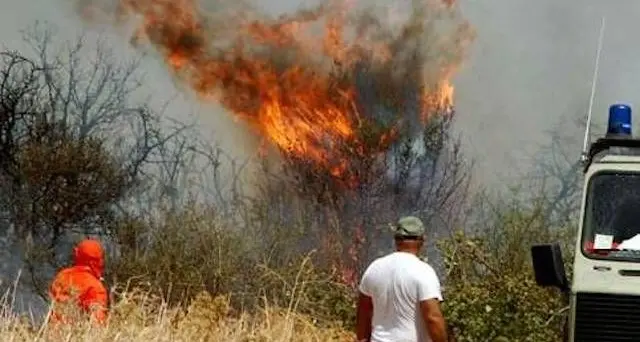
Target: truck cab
x=604, y=292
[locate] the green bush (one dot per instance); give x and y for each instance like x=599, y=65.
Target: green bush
x=490, y=291
x=187, y=252
x=194, y=251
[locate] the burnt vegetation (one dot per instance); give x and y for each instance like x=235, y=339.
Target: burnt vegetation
x=82, y=153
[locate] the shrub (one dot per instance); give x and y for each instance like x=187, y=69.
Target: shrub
x=188, y=252
x=491, y=294
x=195, y=252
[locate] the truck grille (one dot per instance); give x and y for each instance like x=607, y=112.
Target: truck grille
x=607, y=317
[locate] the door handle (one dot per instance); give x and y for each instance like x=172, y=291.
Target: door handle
x=602, y=268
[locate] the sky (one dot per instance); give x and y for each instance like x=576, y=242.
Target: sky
x=529, y=69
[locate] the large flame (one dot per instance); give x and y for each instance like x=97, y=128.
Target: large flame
x=298, y=80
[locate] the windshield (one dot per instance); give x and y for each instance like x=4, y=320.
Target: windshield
x=612, y=217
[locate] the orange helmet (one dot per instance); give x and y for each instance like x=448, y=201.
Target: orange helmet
x=89, y=253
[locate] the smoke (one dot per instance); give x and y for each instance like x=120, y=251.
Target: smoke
x=307, y=81
x=530, y=72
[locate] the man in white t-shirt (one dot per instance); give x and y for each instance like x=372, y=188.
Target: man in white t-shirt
x=400, y=294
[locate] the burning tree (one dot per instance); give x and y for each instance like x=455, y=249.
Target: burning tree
x=358, y=108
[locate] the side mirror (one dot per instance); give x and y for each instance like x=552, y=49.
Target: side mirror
x=548, y=266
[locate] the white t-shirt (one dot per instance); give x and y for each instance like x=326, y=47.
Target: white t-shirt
x=397, y=283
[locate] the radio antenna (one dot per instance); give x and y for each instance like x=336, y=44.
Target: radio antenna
x=587, y=132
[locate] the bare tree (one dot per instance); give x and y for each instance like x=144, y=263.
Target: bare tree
x=557, y=172
x=424, y=175
x=75, y=147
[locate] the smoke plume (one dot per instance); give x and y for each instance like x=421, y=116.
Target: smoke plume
x=326, y=84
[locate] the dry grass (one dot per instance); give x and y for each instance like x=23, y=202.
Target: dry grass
x=140, y=317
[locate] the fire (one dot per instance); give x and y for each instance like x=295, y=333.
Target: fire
x=299, y=90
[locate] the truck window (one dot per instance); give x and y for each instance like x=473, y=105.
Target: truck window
x=611, y=227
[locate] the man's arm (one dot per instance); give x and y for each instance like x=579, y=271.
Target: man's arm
x=429, y=297
x=96, y=302
x=364, y=315
x=434, y=320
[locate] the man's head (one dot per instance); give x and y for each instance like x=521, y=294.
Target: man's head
x=89, y=253
x=409, y=234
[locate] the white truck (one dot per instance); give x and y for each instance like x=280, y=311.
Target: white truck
x=604, y=292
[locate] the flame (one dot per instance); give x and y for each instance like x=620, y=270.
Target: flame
x=296, y=89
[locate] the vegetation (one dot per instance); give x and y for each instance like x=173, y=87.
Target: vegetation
x=490, y=276
x=78, y=156
x=139, y=317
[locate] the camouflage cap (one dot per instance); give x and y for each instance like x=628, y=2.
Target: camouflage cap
x=409, y=226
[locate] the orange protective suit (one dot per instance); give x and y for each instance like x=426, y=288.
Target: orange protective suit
x=81, y=282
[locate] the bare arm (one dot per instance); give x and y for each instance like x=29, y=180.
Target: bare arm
x=364, y=316
x=434, y=320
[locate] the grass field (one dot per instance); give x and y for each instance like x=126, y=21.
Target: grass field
x=140, y=317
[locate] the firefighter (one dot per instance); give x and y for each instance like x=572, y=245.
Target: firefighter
x=400, y=294
x=81, y=284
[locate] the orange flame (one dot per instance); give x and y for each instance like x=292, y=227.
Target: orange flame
x=298, y=90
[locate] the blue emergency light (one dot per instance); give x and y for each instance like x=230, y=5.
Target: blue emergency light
x=619, y=120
